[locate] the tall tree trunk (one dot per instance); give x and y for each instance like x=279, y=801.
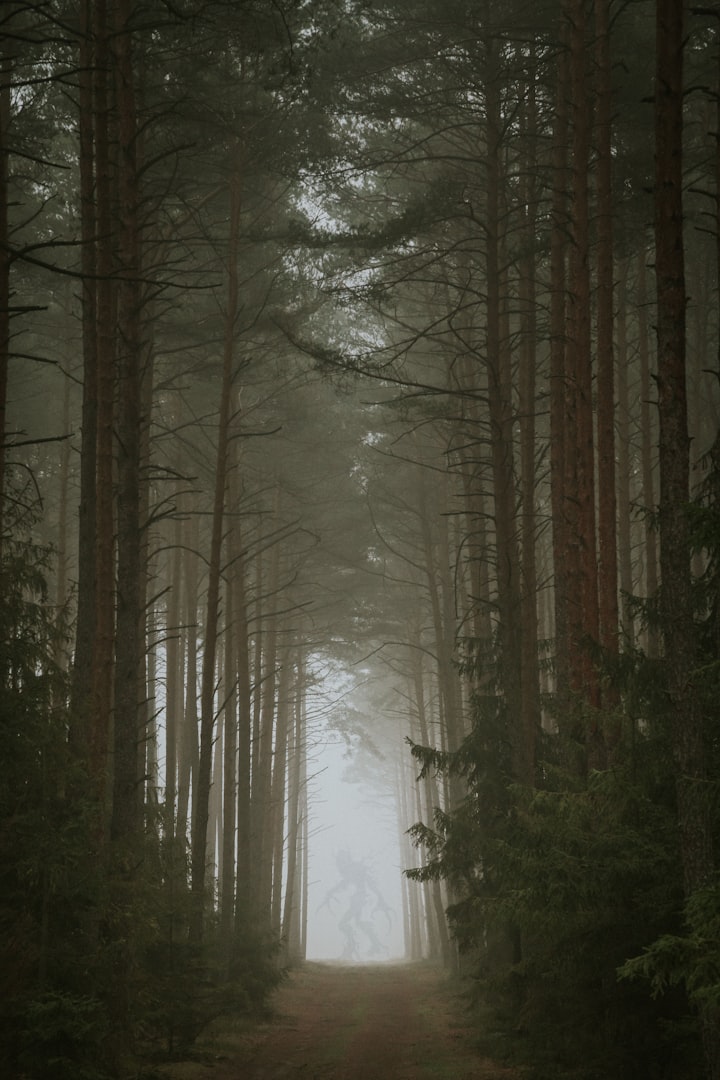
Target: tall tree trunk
x=579, y=450
x=245, y=866
x=174, y=672
x=693, y=800
x=448, y=621
x=444, y=633
x=61, y=580
x=414, y=893
x=430, y=802
x=559, y=450
x=104, y=623
x=304, y=846
x=130, y=635
x=607, y=500
x=293, y=881
x=278, y=794
x=86, y=561
x=214, y=843
x=256, y=801
x=530, y=688
x=188, y=735
x=5, y=113
x=625, y=494
x=230, y=757
x=404, y=779
x=476, y=541
x=201, y=798
x=262, y=782
x=149, y=712
x=147, y=755
x=648, y=476
x=507, y=557
x=409, y=952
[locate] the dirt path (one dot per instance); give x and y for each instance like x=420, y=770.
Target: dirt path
x=374, y=1022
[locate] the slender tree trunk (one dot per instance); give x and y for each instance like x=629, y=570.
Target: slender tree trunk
x=188, y=735
x=406, y=857
x=414, y=891
x=444, y=642
x=507, y=555
x=429, y=900
x=448, y=623
x=607, y=500
x=579, y=451
x=677, y=621
x=5, y=114
x=61, y=580
x=130, y=635
x=625, y=494
x=173, y=674
x=147, y=764
x=214, y=843
x=150, y=728
x=304, y=845
x=559, y=450
x=86, y=562
x=104, y=623
x=207, y=692
x=245, y=867
x=278, y=796
x=530, y=700
x=648, y=474
x=290, y=922
x=262, y=786
x=693, y=800
x=431, y=802
x=405, y=884
x=256, y=800
x=230, y=755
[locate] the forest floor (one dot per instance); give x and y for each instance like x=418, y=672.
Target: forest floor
x=365, y=1022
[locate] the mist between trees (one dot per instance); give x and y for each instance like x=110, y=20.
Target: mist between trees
x=359, y=382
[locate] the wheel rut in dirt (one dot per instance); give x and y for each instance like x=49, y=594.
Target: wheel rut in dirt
x=375, y=1022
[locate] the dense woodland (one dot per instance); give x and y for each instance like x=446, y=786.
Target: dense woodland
x=360, y=342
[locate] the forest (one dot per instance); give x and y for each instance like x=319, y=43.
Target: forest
x=359, y=372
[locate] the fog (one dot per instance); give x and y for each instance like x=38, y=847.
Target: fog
x=354, y=905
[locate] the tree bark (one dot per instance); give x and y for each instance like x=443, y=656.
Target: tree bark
x=245, y=867
x=444, y=634
x=498, y=360
x=530, y=688
x=695, y=817
x=230, y=760
x=293, y=877
x=86, y=584
x=104, y=524
x=579, y=449
x=648, y=465
x=262, y=782
x=201, y=797
x=279, y=786
x=5, y=113
x=607, y=499
x=174, y=673
x=188, y=734
x=130, y=614
x=558, y=380
x=625, y=492
x=430, y=801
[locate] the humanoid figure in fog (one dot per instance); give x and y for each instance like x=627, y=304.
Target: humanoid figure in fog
x=365, y=902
